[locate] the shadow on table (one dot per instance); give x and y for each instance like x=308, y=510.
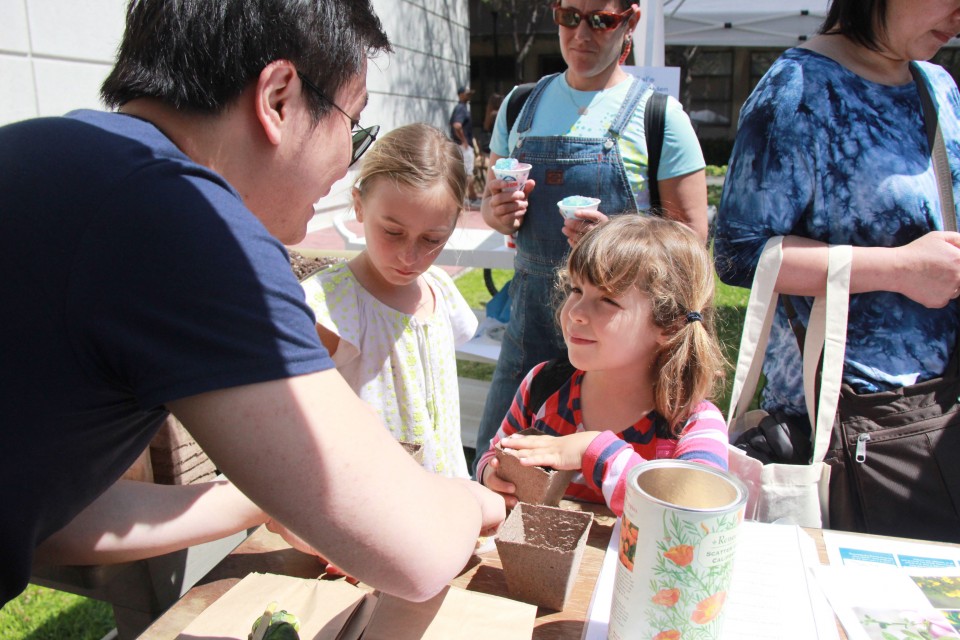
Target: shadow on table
x=560, y=628
x=488, y=580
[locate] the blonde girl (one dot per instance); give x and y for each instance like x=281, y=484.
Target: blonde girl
x=637, y=318
x=390, y=320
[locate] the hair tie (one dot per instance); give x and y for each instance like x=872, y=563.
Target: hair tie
x=694, y=316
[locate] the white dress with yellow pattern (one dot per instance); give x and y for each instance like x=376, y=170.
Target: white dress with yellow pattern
x=403, y=366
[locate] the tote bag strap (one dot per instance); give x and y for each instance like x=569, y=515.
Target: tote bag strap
x=941, y=164
x=827, y=333
x=756, y=327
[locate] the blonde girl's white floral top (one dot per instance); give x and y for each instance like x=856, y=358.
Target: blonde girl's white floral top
x=403, y=366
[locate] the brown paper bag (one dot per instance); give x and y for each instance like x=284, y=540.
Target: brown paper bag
x=322, y=606
x=453, y=613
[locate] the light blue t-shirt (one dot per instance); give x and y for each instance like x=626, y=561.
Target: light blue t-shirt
x=558, y=115
x=825, y=154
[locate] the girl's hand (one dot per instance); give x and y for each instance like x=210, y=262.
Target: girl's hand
x=494, y=482
x=564, y=452
x=574, y=228
x=504, y=210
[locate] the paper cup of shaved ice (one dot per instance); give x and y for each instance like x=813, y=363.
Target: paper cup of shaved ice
x=571, y=204
x=513, y=172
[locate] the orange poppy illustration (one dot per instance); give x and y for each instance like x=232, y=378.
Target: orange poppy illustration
x=672, y=634
x=681, y=555
x=666, y=597
x=709, y=608
x=628, y=542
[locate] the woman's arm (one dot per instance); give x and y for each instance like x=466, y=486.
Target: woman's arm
x=684, y=199
x=926, y=270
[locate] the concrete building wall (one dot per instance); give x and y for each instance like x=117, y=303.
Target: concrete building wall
x=55, y=53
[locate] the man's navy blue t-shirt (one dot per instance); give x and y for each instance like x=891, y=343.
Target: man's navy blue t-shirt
x=130, y=276
x=461, y=114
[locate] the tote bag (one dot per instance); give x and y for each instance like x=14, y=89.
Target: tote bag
x=796, y=493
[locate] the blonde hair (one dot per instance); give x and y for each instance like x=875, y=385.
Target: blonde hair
x=665, y=260
x=418, y=156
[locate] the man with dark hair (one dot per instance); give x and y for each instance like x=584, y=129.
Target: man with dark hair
x=146, y=274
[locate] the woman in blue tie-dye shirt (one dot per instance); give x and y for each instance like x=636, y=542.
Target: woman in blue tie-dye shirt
x=832, y=150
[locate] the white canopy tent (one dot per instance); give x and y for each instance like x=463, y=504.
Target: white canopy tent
x=726, y=23
x=742, y=23
x=739, y=23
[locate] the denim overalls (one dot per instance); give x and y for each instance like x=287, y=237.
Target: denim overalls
x=561, y=166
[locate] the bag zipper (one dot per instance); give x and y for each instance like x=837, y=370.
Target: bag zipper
x=861, y=454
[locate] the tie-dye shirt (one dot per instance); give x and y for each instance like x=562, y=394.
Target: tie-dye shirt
x=825, y=154
x=603, y=472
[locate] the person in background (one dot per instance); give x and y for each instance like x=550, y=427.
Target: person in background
x=461, y=131
x=832, y=149
x=637, y=319
x=583, y=133
x=164, y=287
x=489, y=119
x=390, y=320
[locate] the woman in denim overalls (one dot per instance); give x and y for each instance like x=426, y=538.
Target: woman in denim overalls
x=594, y=38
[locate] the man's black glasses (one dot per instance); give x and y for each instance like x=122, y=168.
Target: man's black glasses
x=570, y=18
x=362, y=137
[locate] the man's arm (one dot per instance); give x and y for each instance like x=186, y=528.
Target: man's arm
x=314, y=456
x=461, y=136
x=134, y=520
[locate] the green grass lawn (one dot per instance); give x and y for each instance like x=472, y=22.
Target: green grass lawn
x=45, y=614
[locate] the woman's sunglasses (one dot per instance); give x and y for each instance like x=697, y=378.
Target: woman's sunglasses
x=570, y=18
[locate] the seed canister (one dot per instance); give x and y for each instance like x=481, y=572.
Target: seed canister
x=678, y=543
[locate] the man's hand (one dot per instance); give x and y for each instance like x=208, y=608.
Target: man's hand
x=492, y=480
x=492, y=508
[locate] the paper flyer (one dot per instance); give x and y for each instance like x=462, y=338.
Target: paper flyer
x=770, y=586
x=892, y=589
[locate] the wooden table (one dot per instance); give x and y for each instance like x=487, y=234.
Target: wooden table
x=265, y=552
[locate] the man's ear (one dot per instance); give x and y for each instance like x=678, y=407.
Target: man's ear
x=277, y=85
x=357, y=204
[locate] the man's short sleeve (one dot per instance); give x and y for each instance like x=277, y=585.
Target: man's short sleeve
x=189, y=295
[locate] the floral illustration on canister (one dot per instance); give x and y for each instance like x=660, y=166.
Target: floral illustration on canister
x=628, y=542
x=691, y=576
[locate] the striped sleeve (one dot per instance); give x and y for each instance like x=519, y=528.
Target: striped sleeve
x=609, y=458
x=605, y=465
x=517, y=419
x=704, y=437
